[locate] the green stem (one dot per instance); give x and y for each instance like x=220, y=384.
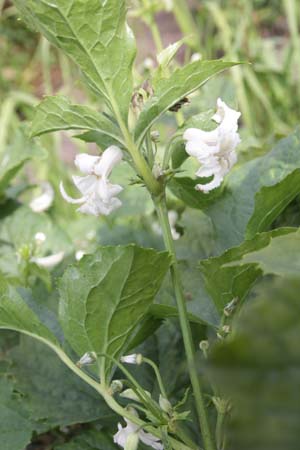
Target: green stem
x=220, y=430
x=140, y=163
x=185, y=326
x=158, y=376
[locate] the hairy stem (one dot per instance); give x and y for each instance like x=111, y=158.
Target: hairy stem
x=162, y=212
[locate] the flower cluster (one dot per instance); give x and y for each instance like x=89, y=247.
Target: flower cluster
x=215, y=150
x=98, y=194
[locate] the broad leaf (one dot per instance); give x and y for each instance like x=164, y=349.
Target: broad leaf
x=106, y=295
x=280, y=257
x=39, y=374
x=94, y=33
x=253, y=198
x=15, y=429
x=57, y=113
x=90, y=440
x=258, y=369
x=225, y=283
x=169, y=91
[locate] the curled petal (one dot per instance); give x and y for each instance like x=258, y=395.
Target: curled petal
x=44, y=201
x=197, y=134
x=68, y=198
x=109, y=159
x=227, y=116
x=200, y=149
x=86, y=163
x=49, y=261
x=216, y=182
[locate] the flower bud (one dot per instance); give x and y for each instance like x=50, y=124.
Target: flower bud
x=155, y=135
x=204, y=346
x=165, y=404
x=87, y=359
x=39, y=238
x=131, y=395
x=116, y=386
x=135, y=358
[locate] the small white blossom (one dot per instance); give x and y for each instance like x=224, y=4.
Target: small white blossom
x=121, y=437
x=215, y=150
x=196, y=57
x=148, y=63
x=98, y=194
x=86, y=359
x=79, y=255
x=43, y=201
x=48, y=262
x=39, y=238
x=135, y=358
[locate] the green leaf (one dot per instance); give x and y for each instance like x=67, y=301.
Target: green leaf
x=15, y=429
x=169, y=91
x=16, y=315
x=280, y=257
x=39, y=374
x=106, y=295
x=257, y=368
x=184, y=189
x=93, y=33
x=154, y=319
x=57, y=113
x=16, y=155
x=90, y=440
x=225, y=283
x=253, y=198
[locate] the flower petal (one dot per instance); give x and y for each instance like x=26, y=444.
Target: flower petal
x=49, y=261
x=68, y=198
x=86, y=185
x=86, y=163
x=109, y=159
x=44, y=201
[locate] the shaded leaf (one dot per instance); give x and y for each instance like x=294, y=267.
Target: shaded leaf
x=15, y=429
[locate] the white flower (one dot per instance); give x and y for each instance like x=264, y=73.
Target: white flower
x=196, y=57
x=40, y=238
x=48, y=261
x=121, y=437
x=215, y=150
x=86, y=359
x=135, y=358
x=98, y=194
x=45, y=200
x=79, y=255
